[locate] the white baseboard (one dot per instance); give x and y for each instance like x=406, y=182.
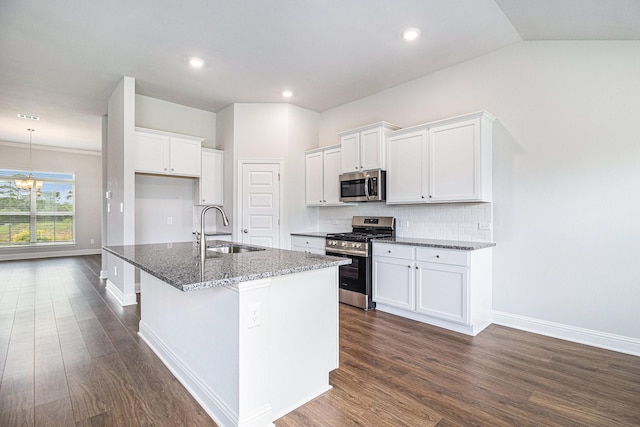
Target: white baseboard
x=103, y=275
x=207, y=398
x=590, y=337
x=48, y=254
x=128, y=299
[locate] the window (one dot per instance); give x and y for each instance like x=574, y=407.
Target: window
x=33, y=217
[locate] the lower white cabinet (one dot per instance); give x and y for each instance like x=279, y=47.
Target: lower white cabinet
x=443, y=287
x=311, y=245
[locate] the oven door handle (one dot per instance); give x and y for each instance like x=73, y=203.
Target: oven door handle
x=366, y=187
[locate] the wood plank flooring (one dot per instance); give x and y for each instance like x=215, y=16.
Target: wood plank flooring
x=70, y=356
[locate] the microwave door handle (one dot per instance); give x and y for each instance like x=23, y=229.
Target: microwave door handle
x=366, y=187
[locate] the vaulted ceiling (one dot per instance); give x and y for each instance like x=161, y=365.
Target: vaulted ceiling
x=61, y=60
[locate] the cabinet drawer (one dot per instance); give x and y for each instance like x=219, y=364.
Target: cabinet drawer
x=393, y=251
x=308, y=242
x=443, y=256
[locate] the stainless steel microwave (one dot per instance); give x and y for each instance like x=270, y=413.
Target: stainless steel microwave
x=367, y=186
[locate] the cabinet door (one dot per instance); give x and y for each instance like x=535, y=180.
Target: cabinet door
x=350, y=145
x=185, y=157
x=393, y=282
x=331, y=176
x=406, y=162
x=454, y=161
x=313, y=179
x=151, y=153
x=442, y=291
x=211, y=178
x=371, y=153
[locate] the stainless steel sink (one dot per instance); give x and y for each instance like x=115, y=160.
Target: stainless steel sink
x=233, y=249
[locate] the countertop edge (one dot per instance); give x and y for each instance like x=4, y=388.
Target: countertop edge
x=434, y=243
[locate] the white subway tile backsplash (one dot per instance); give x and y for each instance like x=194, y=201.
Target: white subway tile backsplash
x=448, y=221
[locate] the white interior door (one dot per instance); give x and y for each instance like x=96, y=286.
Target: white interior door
x=261, y=204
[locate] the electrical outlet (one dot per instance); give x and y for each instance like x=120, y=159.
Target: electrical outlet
x=254, y=315
x=115, y=270
x=484, y=226
x=121, y=207
x=108, y=207
x=169, y=220
x=92, y=241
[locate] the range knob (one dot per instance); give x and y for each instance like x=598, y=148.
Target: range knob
x=332, y=243
x=357, y=245
x=344, y=244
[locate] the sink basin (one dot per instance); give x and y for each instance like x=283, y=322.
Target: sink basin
x=233, y=249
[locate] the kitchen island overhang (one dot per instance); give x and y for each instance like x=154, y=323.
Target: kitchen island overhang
x=251, y=342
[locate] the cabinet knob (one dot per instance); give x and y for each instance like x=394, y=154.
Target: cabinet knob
x=422, y=197
x=416, y=267
x=324, y=201
x=408, y=266
x=165, y=168
x=429, y=195
x=437, y=256
x=389, y=251
x=245, y=231
x=320, y=201
x=172, y=169
x=203, y=200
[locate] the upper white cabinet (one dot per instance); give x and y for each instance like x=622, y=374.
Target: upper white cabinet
x=444, y=161
x=167, y=153
x=364, y=148
x=210, y=185
x=321, y=176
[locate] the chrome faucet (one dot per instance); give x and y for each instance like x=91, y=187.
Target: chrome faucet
x=202, y=241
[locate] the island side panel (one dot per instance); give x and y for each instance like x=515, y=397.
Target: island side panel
x=196, y=334
x=304, y=337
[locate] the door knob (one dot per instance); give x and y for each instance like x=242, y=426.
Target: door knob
x=245, y=231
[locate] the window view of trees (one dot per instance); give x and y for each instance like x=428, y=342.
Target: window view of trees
x=29, y=216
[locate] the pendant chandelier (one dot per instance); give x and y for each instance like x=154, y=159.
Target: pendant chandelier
x=30, y=183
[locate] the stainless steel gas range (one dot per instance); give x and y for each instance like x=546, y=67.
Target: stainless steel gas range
x=355, y=279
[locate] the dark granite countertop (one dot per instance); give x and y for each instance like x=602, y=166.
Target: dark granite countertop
x=434, y=243
x=178, y=264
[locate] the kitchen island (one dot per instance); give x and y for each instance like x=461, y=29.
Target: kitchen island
x=252, y=335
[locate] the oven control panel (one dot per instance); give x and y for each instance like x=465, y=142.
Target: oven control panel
x=347, y=247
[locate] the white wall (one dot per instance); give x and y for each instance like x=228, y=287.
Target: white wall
x=566, y=155
x=275, y=131
x=118, y=161
x=86, y=166
x=159, y=198
x=157, y=114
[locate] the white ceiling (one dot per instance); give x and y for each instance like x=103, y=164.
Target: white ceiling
x=62, y=60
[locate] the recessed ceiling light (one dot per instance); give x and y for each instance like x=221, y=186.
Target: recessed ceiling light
x=410, y=34
x=28, y=116
x=196, y=62
x=287, y=93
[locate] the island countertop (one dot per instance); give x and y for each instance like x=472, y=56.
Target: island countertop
x=178, y=264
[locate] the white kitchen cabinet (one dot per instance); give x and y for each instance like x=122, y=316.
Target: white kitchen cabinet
x=166, y=153
x=312, y=245
x=322, y=185
x=394, y=282
x=443, y=287
x=441, y=162
x=407, y=177
x=210, y=189
x=364, y=148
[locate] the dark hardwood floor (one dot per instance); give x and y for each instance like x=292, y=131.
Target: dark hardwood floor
x=70, y=356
